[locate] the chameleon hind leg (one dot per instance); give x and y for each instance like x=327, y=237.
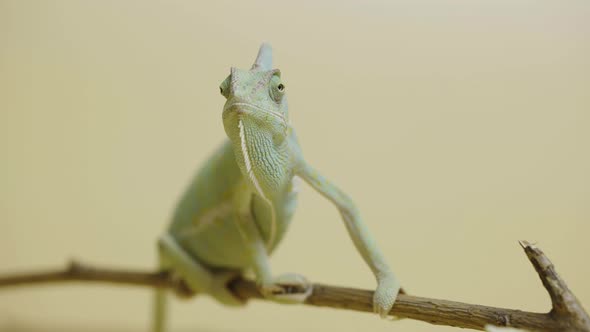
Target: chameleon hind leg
x=198, y=278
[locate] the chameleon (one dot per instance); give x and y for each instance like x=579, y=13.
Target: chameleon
x=239, y=205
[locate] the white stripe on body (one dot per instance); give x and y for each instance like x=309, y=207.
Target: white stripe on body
x=218, y=212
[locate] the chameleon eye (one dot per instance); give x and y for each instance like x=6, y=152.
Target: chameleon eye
x=276, y=89
x=224, y=87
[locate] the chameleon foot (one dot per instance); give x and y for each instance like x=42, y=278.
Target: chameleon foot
x=288, y=288
x=385, y=295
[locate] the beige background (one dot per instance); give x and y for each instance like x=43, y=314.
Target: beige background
x=459, y=127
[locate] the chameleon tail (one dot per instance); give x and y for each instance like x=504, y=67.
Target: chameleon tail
x=160, y=301
x=159, y=310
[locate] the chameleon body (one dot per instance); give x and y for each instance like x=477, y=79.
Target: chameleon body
x=239, y=205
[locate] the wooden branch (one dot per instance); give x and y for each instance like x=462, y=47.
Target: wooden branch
x=567, y=313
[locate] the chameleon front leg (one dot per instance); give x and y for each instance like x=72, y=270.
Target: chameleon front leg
x=387, y=284
x=286, y=288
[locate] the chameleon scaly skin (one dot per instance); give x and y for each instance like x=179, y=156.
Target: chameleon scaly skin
x=239, y=205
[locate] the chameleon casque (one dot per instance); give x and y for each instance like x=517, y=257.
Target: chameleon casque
x=238, y=207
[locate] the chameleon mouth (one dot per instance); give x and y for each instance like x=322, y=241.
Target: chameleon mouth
x=243, y=108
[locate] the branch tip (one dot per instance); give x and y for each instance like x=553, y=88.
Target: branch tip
x=565, y=306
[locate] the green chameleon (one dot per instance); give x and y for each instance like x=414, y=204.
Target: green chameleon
x=238, y=207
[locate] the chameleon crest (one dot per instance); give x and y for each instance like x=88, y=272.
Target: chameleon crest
x=237, y=208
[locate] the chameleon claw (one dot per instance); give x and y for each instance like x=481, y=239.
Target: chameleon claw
x=288, y=288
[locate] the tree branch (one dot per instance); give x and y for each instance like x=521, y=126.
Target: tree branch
x=567, y=313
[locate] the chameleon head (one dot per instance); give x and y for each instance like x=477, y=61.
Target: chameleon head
x=255, y=119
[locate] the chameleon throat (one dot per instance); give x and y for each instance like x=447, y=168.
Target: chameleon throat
x=254, y=180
